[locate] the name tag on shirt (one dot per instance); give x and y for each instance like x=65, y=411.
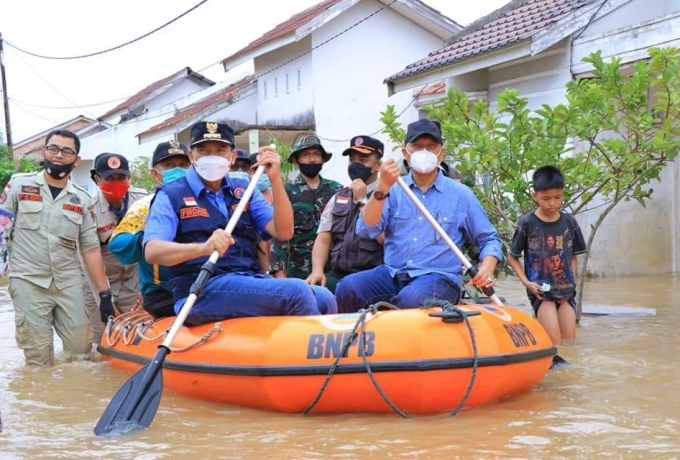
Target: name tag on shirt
x=188, y=213
x=73, y=207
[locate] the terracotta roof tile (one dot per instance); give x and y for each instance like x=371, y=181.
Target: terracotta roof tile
x=512, y=24
x=150, y=89
x=198, y=106
x=287, y=27
x=438, y=87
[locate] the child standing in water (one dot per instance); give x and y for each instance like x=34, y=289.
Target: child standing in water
x=553, y=237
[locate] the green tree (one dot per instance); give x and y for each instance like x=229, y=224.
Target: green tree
x=8, y=166
x=612, y=138
x=140, y=175
x=283, y=150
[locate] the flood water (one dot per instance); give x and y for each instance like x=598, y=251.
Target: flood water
x=618, y=400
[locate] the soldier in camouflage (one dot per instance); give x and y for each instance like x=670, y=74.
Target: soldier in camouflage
x=308, y=193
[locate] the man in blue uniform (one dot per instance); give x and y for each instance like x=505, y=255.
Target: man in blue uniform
x=186, y=224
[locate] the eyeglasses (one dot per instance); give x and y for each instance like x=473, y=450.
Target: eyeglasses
x=66, y=151
x=240, y=167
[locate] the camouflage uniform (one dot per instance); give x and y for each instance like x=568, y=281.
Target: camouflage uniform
x=295, y=256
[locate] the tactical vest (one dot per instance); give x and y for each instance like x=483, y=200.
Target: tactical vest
x=198, y=219
x=349, y=253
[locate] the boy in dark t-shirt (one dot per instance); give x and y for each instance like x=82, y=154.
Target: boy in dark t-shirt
x=550, y=240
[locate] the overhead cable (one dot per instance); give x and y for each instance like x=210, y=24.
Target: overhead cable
x=97, y=53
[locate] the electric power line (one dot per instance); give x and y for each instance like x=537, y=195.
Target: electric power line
x=109, y=49
x=67, y=107
x=14, y=103
x=52, y=86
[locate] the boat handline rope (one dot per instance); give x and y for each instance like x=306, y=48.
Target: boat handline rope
x=446, y=306
x=217, y=328
x=360, y=324
x=130, y=330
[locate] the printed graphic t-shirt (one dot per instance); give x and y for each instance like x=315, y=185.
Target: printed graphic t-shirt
x=548, y=248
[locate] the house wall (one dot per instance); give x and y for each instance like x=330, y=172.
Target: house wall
x=277, y=105
x=348, y=74
x=633, y=239
x=541, y=79
x=629, y=31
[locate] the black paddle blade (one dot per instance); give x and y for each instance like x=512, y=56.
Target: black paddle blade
x=134, y=405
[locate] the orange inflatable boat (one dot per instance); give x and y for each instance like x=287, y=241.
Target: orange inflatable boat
x=422, y=360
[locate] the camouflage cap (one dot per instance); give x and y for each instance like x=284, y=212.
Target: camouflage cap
x=304, y=142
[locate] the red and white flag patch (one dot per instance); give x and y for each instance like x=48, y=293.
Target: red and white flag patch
x=190, y=201
x=342, y=200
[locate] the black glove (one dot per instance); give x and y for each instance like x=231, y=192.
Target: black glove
x=106, y=305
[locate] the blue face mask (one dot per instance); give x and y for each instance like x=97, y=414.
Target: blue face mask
x=264, y=183
x=241, y=175
x=170, y=175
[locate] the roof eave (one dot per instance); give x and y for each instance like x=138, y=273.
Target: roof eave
x=571, y=23
x=198, y=116
x=441, y=25
x=483, y=61
x=229, y=63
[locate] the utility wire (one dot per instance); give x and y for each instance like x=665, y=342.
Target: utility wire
x=255, y=77
x=15, y=104
x=67, y=107
x=52, y=86
x=109, y=49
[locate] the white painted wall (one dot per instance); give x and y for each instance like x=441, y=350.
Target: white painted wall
x=542, y=78
x=348, y=75
x=278, y=103
x=634, y=12
x=629, y=32
x=633, y=239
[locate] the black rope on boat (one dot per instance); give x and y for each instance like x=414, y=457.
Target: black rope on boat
x=361, y=323
x=448, y=307
x=367, y=366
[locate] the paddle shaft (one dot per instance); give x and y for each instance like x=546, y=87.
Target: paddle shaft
x=466, y=263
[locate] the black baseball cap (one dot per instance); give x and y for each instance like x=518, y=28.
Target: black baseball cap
x=242, y=155
x=253, y=158
x=168, y=150
x=211, y=131
x=365, y=145
x=307, y=141
x=423, y=127
x=108, y=164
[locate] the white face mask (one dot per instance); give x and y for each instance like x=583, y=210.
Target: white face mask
x=423, y=161
x=212, y=167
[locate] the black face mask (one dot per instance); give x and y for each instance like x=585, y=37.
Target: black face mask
x=57, y=171
x=311, y=170
x=359, y=171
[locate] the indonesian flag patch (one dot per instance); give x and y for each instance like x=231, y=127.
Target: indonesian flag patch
x=190, y=201
x=342, y=200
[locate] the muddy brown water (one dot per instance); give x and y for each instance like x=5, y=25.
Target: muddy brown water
x=618, y=400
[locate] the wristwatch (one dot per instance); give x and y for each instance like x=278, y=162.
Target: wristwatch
x=380, y=195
